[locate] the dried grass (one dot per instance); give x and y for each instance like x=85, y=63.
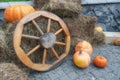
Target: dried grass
x=9, y=71
x=3, y=46
x=9, y=62
x=98, y=39
x=62, y=8
x=81, y=27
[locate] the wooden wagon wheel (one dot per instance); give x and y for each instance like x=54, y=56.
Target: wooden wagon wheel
x=47, y=41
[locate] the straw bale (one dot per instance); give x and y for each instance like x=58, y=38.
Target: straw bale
x=62, y=8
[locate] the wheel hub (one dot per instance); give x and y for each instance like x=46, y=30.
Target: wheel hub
x=48, y=40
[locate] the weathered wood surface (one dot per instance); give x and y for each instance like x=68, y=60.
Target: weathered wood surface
x=110, y=36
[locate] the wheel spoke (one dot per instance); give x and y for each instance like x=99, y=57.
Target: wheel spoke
x=31, y=37
x=59, y=31
x=33, y=50
x=60, y=43
x=49, y=23
x=37, y=26
x=44, y=56
x=55, y=53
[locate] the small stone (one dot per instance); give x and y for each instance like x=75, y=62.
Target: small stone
x=86, y=9
x=90, y=13
x=93, y=78
x=98, y=13
x=114, y=23
x=117, y=6
x=5, y=75
x=115, y=28
x=116, y=13
x=111, y=8
x=118, y=19
x=109, y=27
x=119, y=28
x=98, y=8
x=105, y=8
x=103, y=19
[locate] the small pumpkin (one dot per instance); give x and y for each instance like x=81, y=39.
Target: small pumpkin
x=99, y=29
x=117, y=41
x=100, y=61
x=81, y=59
x=84, y=46
x=16, y=12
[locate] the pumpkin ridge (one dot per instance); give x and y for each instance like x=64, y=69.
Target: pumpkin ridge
x=21, y=11
x=14, y=12
x=11, y=13
x=8, y=14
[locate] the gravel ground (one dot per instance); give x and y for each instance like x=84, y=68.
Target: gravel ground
x=68, y=71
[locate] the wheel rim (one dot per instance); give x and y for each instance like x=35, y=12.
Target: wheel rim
x=24, y=57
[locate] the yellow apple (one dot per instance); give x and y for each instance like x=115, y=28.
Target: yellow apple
x=81, y=59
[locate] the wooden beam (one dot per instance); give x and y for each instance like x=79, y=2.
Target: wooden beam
x=110, y=36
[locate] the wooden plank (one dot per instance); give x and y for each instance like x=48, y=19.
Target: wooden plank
x=110, y=36
x=3, y=5
x=84, y=2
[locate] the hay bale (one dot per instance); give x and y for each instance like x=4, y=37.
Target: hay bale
x=81, y=28
x=7, y=53
x=98, y=39
x=40, y=3
x=8, y=45
x=9, y=71
x=3, y=46
x=62, y=8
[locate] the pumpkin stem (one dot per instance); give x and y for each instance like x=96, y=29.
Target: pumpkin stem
x=118, y=43
x=101, y=57
x=80, y=52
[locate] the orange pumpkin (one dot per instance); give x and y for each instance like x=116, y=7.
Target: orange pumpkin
x=117, y=41
x=100, y=61
x=84, y=46
x=99, y=29
x=81, y=59
x=16, y=12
